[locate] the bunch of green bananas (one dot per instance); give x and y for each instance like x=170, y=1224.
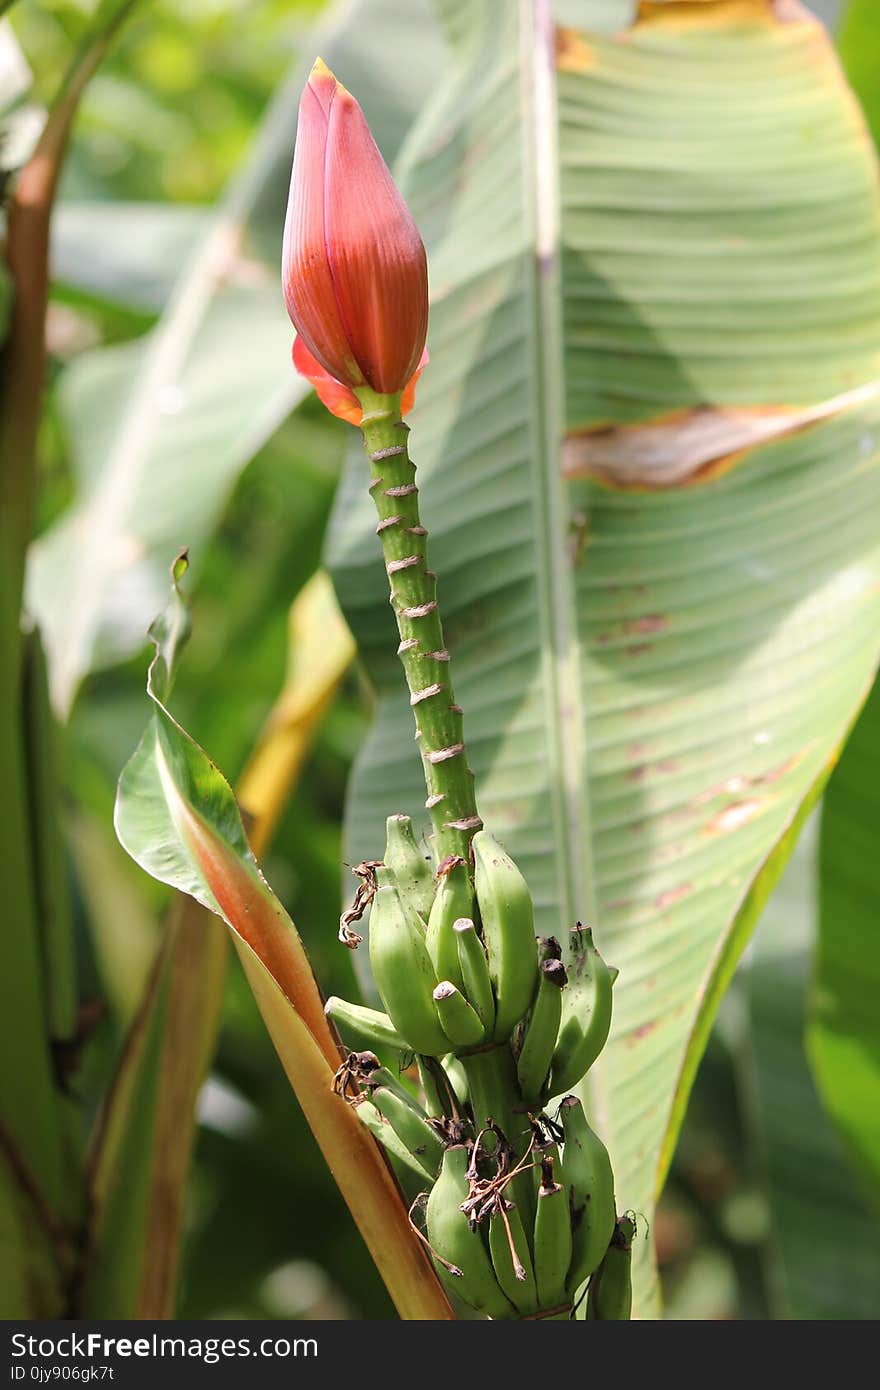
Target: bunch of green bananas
x=521, y=1208
x=511, y=1262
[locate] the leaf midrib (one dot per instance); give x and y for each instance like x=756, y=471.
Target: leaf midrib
x=566, y=724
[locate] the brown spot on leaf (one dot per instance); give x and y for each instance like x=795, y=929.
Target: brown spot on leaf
x=690, y=446
x=731, y=787
x=578, y=537
x=640, y=771
x=643, y=1031
x=740, y=782
x=673, y=895
x=573, y=53
x=775, y=773
x=651, y=622
x=737, y=814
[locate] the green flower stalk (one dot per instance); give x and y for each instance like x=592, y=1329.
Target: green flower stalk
x=355, y=282
x=497, y=1024
x=451, y=802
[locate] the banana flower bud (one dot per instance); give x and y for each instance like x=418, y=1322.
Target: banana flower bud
x=354, y=270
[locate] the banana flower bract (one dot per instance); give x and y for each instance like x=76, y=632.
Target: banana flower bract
x=354, y=269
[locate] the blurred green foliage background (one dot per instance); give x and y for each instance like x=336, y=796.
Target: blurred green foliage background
x=172, y=111
x=169, y=119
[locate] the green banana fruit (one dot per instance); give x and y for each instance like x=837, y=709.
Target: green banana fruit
x=610, y=1296
x=439, y=1092
x=409, y=866
x=553, y=1240
x=411, y=1128
x=457, y=1078
x=403, y=971
x=536, y=1053
x=586, y=1014
x=461, y=1024
x=367, y=1027
x=383, y=1076
x=513, y=1266
x=454, y=899
x=453, y=1241
x=477, y=987
x=389, y=1139
x=586, y=1172
x=508, y=923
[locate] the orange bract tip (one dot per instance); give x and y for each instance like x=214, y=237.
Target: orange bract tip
x=408, y=395
x=339, y=399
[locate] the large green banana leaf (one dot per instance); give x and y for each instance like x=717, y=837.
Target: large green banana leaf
x=160, y=427
x=650, y=462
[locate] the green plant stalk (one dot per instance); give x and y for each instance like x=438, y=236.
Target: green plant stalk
x=439, y=729
x=491, y=1074
x=493, y=1091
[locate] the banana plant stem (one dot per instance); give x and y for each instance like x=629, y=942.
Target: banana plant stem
x=439, y=730
x=491, y=1078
